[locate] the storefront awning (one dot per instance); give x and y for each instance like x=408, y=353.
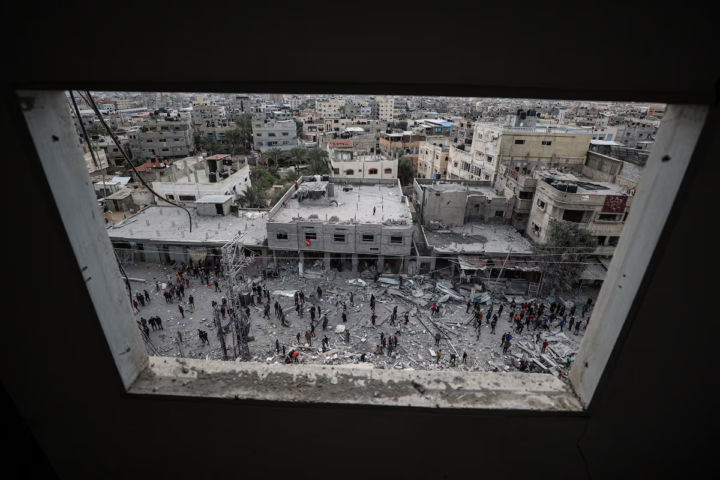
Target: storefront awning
x=594, y=271
x=469, y=262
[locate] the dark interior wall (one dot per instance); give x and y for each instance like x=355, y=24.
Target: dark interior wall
x=535, y=51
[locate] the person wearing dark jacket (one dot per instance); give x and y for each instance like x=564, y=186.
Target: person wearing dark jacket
x=182, y=312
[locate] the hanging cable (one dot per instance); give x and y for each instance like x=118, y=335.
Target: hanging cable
x=91, y=102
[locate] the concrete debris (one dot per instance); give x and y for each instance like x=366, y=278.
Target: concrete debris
x=357, y=281
x=340, y=329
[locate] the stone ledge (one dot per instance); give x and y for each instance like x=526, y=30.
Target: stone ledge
x=355, y=385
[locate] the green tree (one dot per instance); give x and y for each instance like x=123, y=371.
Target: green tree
x=234, y=139
x=244, y=126
x=405, y=171
x=253, y=197
x=317, y=155
x=275, y=155
x=263, y=177
x=298, y=156
x=561, y=258
x=317, y=168
x=95, y=129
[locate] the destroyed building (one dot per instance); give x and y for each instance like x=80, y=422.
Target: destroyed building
x=456, y=202
x=353, y=225
x=161, y=234
x=192, y=178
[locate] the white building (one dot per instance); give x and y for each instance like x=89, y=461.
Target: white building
x=386, y=108
x=191, y=179
x=348, y=162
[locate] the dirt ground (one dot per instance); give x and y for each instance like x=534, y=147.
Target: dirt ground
x=416, y=343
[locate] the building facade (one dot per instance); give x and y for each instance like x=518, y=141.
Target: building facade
x=269, y=134
x=168, y=139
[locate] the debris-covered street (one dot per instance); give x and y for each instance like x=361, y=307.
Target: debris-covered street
x=416, y=340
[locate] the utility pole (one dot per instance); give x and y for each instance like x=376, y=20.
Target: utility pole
x=502, y=268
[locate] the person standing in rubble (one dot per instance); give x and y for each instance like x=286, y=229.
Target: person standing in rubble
x=467, y=310
x=572, y=321
x=266, y=313
x=344, y=317
x=373, y=317
x=308, y=338
x=492, y=325
x=437, y=338
x=319, y=292
x=325, y=322
x=577, y=327
x=312, y=330
x=407, y=317
x=433, y=309
x=500, y=310
x=182, y=312
x=157, y=286
x=147, y=296
x=544, y=346
x=352, y=299
x=464, y=358
x=217, y=286
x=562, y=323
x=506, y=345
x=347, y=336
x=277, y=307
x=283, y=319
x=438, y=354
x=277, y=346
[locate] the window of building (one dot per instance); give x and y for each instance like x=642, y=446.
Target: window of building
x=368, y=238
x=373, y=171
x=339, y=237
x=149, y=141
x=519, y=142
x=281, y=235
x=350, y=172
x=285, y=134
x=165, y=149
x=547, y=142
x=489, y=159
x=170, y=197
x=609, y=137
x=161, y=139
x=258, y=134
x=310, y=236
x=396, y=239
x=388, y=171
x=575, y=216
x=536, y=228
x=500, y=213
x=187, y=198
x=260, y=143
x=271, y=135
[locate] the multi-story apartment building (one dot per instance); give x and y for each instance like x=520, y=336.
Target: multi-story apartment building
x=386, y=108
x=330, y=107
x=346, y=161
x=462, y=165
x=462, y=131
x=522, y=147
x=166, y=138
x=208, y=115
x=635, y=133
x=238, y=105
x=600, y=207
x=433, y=158
x=269, y=134
x=125, y=103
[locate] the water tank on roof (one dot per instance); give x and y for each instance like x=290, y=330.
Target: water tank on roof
x=213, y=177
x=523, y=116
x=563, y=187
x=224, y=175
x=572, y=188
x=548, y=180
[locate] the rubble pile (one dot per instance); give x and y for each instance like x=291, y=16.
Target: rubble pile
x=358, y=338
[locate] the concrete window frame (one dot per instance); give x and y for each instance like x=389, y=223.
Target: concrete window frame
x=59, y=156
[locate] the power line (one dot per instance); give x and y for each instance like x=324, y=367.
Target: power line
x=117, y=142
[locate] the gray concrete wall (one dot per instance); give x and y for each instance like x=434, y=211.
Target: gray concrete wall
x=445, y=207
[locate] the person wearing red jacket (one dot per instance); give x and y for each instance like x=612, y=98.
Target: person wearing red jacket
x=545, y=344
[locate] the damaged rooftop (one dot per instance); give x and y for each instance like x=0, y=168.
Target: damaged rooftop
x=170, y=225
x=478, y=238
x=357, y=203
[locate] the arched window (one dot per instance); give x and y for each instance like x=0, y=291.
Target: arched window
x=388, y=171
x=349, y=172
x=373, y=171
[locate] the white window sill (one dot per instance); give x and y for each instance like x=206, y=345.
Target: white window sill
x=355, y=385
